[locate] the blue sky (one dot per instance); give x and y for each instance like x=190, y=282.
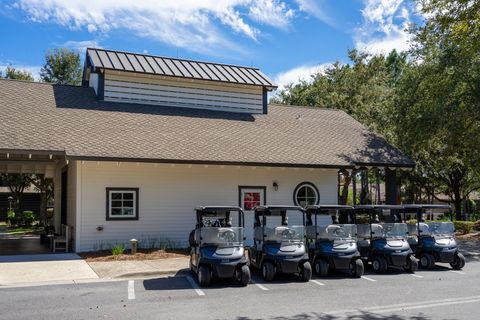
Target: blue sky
x=288, y=40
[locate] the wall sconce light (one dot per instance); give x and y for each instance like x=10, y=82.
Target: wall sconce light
x=275, y=186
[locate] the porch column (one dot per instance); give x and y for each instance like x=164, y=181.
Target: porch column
x=391, y=189
x=57, y=195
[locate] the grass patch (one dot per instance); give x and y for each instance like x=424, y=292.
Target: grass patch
x=23, y=230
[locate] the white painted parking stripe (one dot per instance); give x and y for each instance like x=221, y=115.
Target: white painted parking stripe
x=416, y=275
x=318, y=282
x=261, y=286
x=459, y=272
x=195, y=286
x=131, y=290
x=369, y=279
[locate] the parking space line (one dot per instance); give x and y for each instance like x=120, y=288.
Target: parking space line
x=459, y=272
x=318, y=282
x=369, y=279
x=416, y=275
x=261, y=286
x=131, y=290
x=195, y=286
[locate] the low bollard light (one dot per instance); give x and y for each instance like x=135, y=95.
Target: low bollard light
x=133, y=246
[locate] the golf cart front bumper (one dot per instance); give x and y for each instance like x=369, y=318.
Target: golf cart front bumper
x=224, y=268
x=445, y=255
x=287, y=264
x=398, y=259
x=343, y=262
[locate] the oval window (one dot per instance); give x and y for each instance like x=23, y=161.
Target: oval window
x=306, y=194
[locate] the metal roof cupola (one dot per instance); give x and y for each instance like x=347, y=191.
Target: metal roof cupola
x=145, y=79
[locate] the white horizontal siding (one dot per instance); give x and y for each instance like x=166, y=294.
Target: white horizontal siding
x=168, y=194
x=199, y=95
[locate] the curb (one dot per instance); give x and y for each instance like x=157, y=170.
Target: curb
x=172, y=272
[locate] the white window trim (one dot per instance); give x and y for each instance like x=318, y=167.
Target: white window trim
x=134, y=192
x=305, y=184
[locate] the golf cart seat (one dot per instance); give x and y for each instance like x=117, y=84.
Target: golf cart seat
x=423, y=228
x=363, y=231
x=377, y=230
x=412, y=229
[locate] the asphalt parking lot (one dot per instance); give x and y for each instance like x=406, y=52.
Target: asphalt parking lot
x=438, y=294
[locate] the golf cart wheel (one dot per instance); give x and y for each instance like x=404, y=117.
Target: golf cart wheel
x=458, y=261
x=356, y=268
x=204, y=277
x=379, y=264
x=427, y=261
x=306, y=271
x=268, y=272
x=412, y=264
x=244, y=275
x=321, y=267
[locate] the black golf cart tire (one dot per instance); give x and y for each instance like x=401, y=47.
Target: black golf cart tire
x=306, y=271
x=458, y=262
x=357, y=268
x=268, y=271
x=427, y=261
x=379, y=264
x=204, y=277
x=411, y=265
x=321, y=267
x=244, y=275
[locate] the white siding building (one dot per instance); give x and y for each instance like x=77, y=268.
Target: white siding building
x=145, y=139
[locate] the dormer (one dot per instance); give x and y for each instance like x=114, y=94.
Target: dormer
x=145, y=79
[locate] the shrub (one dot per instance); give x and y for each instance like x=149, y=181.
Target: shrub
x=28, y=217
x=476, y=225
x=118, y=249
x=11, y=217
x=464, y=226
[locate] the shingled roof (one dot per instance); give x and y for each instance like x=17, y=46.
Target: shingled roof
x=59, y=118
x=171, y=67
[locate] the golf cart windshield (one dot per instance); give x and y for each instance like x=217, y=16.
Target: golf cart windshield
x=232, y=236
x=439, y=229
x=284, y=234
x=390, y=230
x=337, y=231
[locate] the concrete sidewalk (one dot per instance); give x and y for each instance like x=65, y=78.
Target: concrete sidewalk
x=140, y=268
x=43, y=268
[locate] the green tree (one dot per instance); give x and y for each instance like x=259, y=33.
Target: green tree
x=13, y=73
x=62, y=66
x=438, y=118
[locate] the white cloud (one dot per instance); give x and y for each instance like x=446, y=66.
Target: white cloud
x=298, y=74
x=313, y=7
x=190, y=24
x=271, y=12
x=81, y=46
x=384, y=26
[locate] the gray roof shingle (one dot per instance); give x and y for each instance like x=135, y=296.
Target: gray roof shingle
x=125, y=61
x=46, y=117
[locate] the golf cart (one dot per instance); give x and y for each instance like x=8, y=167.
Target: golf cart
x=279, y=248
x=216, y=247
x=433, y=241
x=383, y=237
x=332, y=245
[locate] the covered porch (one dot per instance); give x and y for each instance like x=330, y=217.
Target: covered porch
x=17, y=235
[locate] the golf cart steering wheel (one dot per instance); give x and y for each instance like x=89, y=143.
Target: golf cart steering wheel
x=288, y=233
x=228, y=236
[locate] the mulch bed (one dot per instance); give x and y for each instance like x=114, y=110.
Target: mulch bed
x=142, y=254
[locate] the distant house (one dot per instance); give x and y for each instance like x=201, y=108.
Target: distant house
x=145, y=139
